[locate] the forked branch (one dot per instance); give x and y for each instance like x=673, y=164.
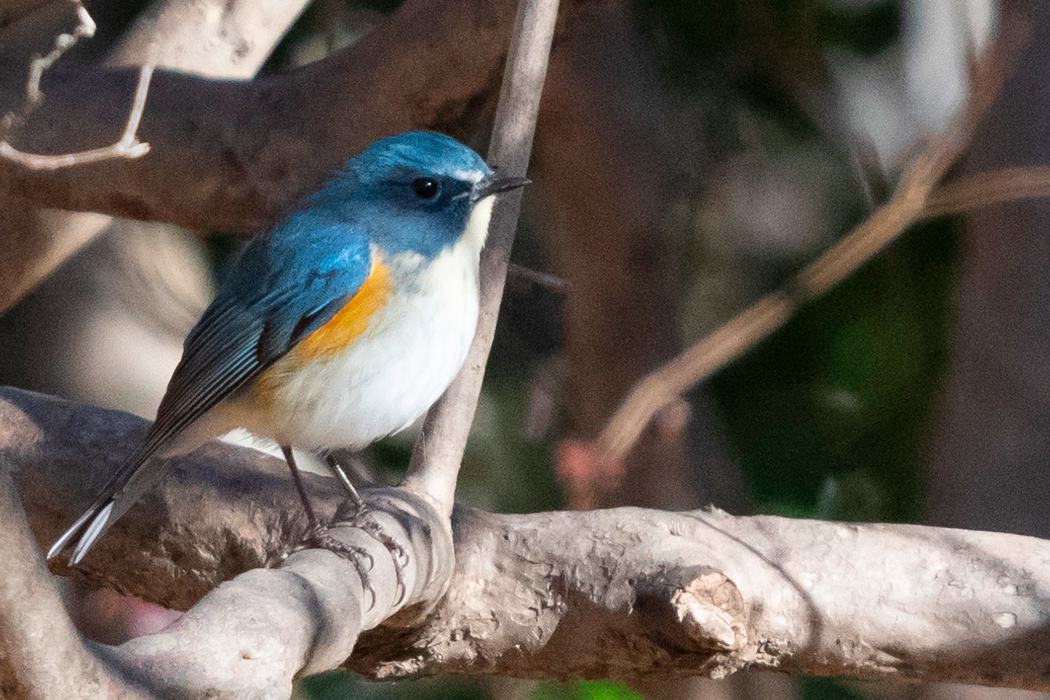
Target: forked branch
x=127, y=146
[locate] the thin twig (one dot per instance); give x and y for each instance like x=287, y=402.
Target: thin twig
x=984, y=189
x=63, y=42
x=127, y=146
x=914, y=198
x=433, y=471
x=544, y=280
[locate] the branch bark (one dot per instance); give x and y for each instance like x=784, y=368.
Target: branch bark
x=652, y=593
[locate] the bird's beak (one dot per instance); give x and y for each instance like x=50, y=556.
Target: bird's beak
x=496, y=184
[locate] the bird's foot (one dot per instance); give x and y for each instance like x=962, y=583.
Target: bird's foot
x=318, y=536
x=366, y=520
x=363, y=518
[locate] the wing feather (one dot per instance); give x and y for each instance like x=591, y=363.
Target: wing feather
x=272, y=300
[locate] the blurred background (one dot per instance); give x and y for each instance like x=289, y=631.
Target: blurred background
x=690, y=156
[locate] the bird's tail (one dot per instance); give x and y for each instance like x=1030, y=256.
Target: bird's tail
x=117, y=496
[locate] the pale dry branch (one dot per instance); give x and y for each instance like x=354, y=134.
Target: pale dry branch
x=35, y=664
x=985, y=189
x=313, y=600
x=625, y=592
x=127, y=146
x=85, y=29
x=63, y=42
x=915, y=197
x=438, y=452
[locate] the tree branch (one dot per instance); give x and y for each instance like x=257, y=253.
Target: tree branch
x=314, y=610
x=656, y=594
x=43, y=654
x=227, y=39
x=231, y=155
x=127, y=146
x=192, y=534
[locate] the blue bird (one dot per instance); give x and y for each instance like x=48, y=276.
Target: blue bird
x=340, y=325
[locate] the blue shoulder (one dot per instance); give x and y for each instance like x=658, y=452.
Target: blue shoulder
x=296, y=276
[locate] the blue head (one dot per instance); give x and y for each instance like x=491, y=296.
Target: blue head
x=413, y=192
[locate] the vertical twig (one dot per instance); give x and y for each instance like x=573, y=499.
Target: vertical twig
x=439, y=449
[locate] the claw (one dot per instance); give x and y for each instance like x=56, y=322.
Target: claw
x=364, y=519
x=318, y=537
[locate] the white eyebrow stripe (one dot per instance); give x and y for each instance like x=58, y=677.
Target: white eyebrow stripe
x=468, y=175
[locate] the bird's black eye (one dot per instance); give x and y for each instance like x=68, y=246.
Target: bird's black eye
x=424, y=187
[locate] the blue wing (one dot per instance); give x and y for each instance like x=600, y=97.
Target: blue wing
x=286, y=284
x=283, y=288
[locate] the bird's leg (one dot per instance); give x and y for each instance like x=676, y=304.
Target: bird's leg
x=317, y=535
x=364, y=519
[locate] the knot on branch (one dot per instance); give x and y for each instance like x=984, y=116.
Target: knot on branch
x=711, y=612
x=705, y=614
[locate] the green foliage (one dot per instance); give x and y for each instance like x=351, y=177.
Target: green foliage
x=584, y=690
x=828, y=415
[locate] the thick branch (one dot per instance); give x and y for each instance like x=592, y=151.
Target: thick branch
x=313, y=606
x=233, y=155
x=622, y=592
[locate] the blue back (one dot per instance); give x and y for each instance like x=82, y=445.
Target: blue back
x=408, y=194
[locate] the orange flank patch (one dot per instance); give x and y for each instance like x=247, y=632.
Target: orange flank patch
x=350, y=321
x=327, y=341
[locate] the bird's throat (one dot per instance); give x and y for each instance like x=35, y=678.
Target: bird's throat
x=478, y=223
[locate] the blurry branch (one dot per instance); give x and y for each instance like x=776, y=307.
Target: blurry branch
x=173, y=35
x=624, y=592
x=543, y=280
x=232, y=156
x=127, y=146
x=36, y=243
x=915, y=197
x=988, y=188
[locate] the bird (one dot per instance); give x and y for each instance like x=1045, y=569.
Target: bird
x=339, y=325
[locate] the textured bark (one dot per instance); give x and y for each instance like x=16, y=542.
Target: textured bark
x=623, y=592
x=248, y=637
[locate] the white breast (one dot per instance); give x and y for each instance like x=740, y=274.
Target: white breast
x=411, y=351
